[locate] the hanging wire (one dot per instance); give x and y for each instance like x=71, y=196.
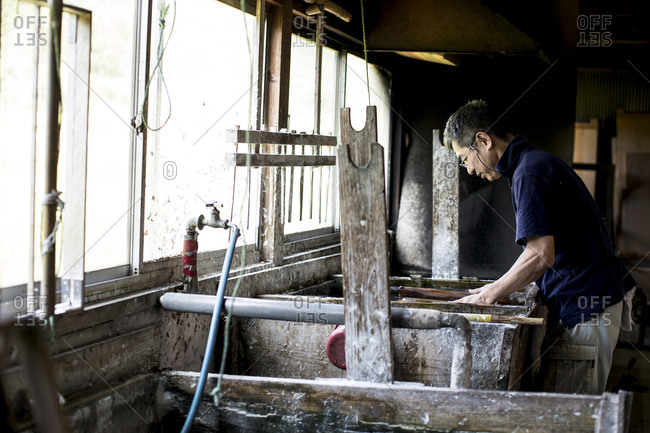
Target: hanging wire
x=365, y=50
x=161, y=24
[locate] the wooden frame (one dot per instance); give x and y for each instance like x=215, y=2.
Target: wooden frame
x=350, y=405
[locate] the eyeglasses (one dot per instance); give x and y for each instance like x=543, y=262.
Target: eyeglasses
x=463, y=162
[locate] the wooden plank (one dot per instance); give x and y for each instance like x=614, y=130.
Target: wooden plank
x=484, y=317
x=420, y=292
x=445, y=257
x=270, y=137
x=127, y=406
x=614, y=413
x=350, y=406
x=359, y=141
x=585, y=150
x=416, y=281
x=633, y=131
x=364, y=253
x=635, y=206
x=271, y=160
x=450, y=307
x=97, y=366
x=260, y=37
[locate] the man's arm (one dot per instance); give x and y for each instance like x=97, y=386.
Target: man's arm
x=538, y=256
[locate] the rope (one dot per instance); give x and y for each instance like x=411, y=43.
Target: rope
x=365, y=50
x=50, y=240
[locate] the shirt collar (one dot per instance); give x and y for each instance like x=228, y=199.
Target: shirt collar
x=510, y=158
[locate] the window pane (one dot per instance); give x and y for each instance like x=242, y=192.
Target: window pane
x=206, y=80
x=356, y=96
x=109, y=132
x=328, y=110
x=301, y=89
x=17, y=122
x=23, y=122
x=308, y=191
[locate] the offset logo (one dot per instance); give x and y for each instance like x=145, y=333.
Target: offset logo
x=303, y=23
x=29, y=31
x=170, y=170
x=593, y=31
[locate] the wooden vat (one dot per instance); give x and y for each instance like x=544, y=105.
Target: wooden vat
x=281, y=380
x=297, y=350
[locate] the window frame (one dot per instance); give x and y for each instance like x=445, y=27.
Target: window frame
x=136, y=274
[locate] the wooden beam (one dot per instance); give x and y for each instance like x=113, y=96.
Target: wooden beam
x=445, y=257
x=269, y=137
x=278, y=65
x=364, y=252
x=266, y=160
x=277, y=114
x=347, y=405
x=260, y=38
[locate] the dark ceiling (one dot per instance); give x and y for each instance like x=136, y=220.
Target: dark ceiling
x=596, y=33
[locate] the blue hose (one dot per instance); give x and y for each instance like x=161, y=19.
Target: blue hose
x=214, y=327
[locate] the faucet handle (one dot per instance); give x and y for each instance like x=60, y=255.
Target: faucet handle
x=214, y=205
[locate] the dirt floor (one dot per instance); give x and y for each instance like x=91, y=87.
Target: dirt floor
x=637, y=379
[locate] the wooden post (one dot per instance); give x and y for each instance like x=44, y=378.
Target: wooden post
x=445, y=261
x=277, y=110
x=364, y=252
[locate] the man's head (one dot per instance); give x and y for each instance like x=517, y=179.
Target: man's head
x=472, y=133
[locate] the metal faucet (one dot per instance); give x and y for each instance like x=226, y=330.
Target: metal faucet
x=191, y=245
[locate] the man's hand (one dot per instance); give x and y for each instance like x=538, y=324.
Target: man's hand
x=480, y=296
x=538, y=256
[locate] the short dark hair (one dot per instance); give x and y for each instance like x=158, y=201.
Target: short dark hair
x=469, y=119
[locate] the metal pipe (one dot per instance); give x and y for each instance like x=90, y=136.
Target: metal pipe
x=332, y=314
x=461, y=363
x=53, y=129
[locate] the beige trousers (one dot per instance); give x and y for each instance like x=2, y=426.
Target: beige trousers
x=580, y=360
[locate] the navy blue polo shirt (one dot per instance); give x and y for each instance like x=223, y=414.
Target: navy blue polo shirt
x=550, y=199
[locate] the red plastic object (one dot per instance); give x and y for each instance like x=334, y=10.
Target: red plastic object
x=190, y=248
x=336, y=347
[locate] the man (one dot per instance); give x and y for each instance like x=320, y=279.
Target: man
x=567, y=251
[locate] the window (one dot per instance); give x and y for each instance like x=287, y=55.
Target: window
x=23, y=98
x=197, y=85
x=310, y=192
x=109, y=133
x=202, y=85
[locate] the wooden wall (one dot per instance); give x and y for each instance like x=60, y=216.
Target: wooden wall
x=105, y=360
